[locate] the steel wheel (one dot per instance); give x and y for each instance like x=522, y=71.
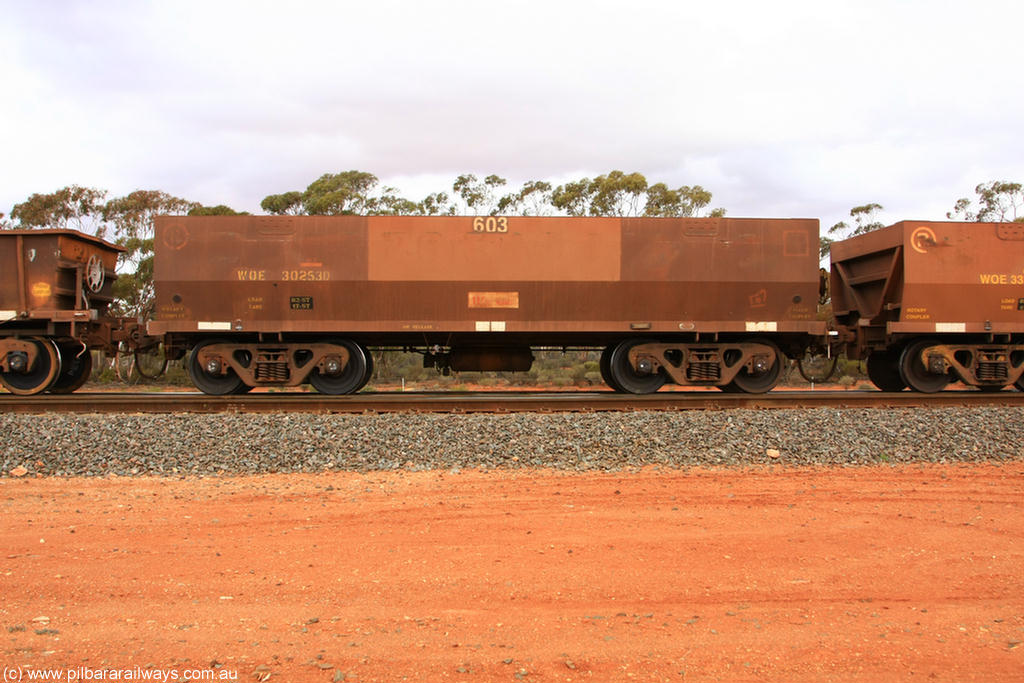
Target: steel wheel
x=369, y=368
x=214, y=384
x=760, y=382
x=40, y=376
x=914, y=372
x=1015, y=360
x=622, y=375
x=75, y=368
x=606, y=368
x=348, y=379
x=884, y=370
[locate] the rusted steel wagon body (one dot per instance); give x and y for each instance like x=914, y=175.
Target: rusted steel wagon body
x=930, y=302
x=261, y=300
x=54, y=298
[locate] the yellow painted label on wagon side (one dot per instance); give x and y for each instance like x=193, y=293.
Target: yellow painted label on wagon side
x=494, y=299
x=1001, y=278
x=173, y=312
x=42, y=290
x=251, y=274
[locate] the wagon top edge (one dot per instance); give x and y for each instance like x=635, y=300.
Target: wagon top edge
x=67, y=232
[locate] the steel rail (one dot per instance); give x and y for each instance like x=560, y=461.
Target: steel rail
x=488, y=402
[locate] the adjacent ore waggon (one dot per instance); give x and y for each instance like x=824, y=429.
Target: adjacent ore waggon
x=253, y=301
x=55, y=291
x=927, y=303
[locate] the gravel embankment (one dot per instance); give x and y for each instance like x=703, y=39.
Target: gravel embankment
x=173, y=445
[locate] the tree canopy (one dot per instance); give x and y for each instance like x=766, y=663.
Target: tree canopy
x=613, y=194
x=629, y=194
x=75, y=207
x=864, y=220
x=351, y=193
x=999, y=201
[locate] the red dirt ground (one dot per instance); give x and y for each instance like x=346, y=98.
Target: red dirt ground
x=868, y=574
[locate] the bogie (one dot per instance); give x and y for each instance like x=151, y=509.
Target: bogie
x=221, y=367
x=642, y=366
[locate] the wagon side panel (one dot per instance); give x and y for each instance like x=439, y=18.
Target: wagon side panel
x=963, y=278
x=469, y=274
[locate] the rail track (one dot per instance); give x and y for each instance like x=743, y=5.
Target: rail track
x=487, y=402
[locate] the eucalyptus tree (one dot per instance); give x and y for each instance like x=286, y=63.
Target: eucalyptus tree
x=998, y=201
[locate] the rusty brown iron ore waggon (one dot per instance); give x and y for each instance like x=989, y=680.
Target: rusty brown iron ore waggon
x=927, y=303
x=56, y=287
x=261, y=301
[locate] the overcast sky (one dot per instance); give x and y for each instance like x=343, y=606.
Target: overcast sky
x=779, y=108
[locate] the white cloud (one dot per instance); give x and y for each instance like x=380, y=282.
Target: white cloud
x=792, y=108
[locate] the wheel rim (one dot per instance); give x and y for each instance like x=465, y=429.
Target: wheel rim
x=915, y=374
x=760, y=382
x=351, y=377
x=884, y=372
x=606, y=368
x=76, y=367
x=216, y=385
x=625, y=378
x=369, y=368
x=42, y=374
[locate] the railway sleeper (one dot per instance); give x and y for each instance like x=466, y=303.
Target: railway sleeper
x=981, y=365
x=278, y=364
x=708, y=364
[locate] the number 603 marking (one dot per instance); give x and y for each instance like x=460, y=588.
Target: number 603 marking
x=490, y=224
